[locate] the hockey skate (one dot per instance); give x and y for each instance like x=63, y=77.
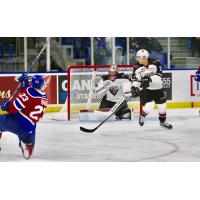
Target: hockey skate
x=141, y=120
x=166, y=125
x=26, y=149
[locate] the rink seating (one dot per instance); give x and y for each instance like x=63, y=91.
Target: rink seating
x=6, y=47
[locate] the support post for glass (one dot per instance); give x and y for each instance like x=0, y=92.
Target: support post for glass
x=113, y=50
x=48, y=55
x=127, y=50
x=168, y=53
x=92, y=50
x=25, y=55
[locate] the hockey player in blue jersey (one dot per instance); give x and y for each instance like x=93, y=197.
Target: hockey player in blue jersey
x=197, y=75
x=197, y=78
x=24, y=111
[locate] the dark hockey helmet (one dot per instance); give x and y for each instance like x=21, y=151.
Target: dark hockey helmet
x=38, y=82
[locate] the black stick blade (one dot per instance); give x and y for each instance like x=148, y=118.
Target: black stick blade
x=87, y=130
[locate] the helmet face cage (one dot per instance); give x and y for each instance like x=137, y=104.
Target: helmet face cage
x=38, y=82
x=113, y=68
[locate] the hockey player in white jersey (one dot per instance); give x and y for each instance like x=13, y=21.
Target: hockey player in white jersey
x=148, y=85
x=111, y=88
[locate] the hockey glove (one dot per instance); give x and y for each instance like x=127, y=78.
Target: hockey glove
x=135, y=91
x=145, y=82
x=5, y=105
x=23, y=81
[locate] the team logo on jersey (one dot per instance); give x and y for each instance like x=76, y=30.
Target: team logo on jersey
x=114, y=90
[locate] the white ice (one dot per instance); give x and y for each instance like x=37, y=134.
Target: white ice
x=114, y=141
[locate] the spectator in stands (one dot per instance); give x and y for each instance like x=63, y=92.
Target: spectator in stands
x=102, y=50
x=58, y=58
x=150, y=44
x=134, y=44
x=134, y=47
x=195, y=46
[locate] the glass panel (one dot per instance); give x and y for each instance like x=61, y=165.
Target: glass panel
x=120, y=50
x=34, y=46
x=75, y=51
x=157, y=47
x=102, y=50
x=11, y=54
x=185, y=51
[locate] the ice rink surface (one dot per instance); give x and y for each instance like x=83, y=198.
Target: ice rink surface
x=123, y=141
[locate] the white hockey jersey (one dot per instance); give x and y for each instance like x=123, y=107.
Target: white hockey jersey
x=114, y=90
x=153, y=70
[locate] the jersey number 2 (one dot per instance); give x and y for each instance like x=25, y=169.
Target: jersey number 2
x=38, y=110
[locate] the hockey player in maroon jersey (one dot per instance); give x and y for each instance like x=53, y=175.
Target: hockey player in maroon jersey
x=148, y=85
x=111, y=88
x=25, y=110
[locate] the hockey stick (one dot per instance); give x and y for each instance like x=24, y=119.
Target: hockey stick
x=114, y=109
x=30, y=68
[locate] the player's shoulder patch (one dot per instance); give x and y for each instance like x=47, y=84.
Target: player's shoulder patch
x=35, y=93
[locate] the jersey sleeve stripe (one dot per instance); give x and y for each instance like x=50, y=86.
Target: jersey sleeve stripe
x=100, y=89
x=37, y=95
x=16, y=105
x=21, y=104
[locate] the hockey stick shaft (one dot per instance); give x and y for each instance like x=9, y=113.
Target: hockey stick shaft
x=31, y=67
x=37, y=57
x=114, y=109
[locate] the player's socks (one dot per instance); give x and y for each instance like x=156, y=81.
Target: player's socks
x=26, y=149
x=166, y=125
x=163, y=123
x=162, y=117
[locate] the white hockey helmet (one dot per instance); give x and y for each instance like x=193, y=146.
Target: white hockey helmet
x=113, y=68
x=142, y=53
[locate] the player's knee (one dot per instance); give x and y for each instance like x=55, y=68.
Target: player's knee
x=124, y=114
x=162, y=108
x=148, y=107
